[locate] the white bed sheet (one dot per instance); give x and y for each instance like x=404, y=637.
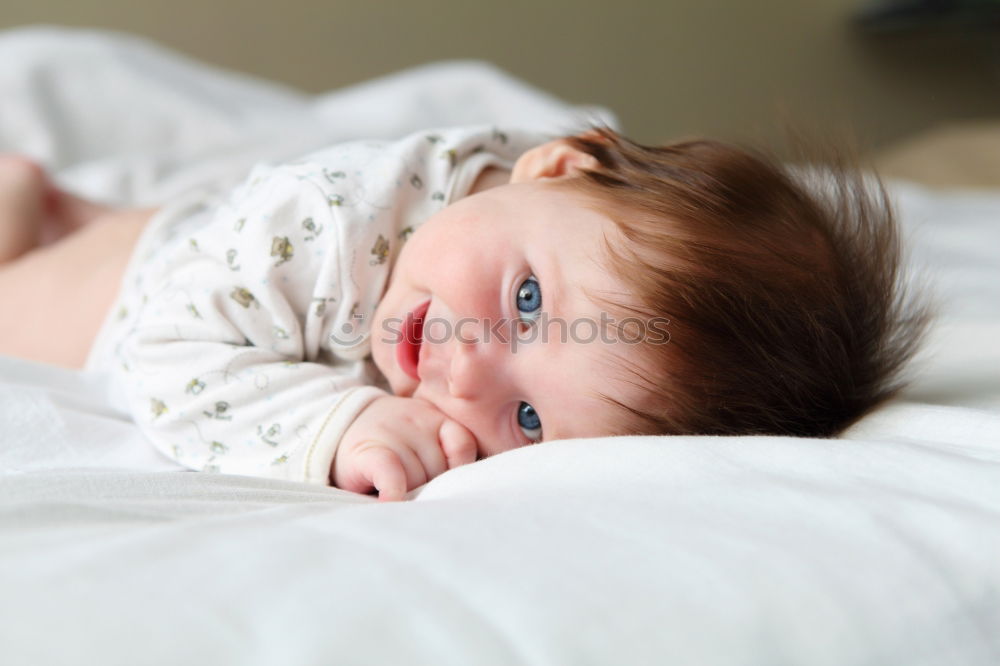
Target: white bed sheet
x=881, y=547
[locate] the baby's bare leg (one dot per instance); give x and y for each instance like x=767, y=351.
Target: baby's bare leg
x=55, y=297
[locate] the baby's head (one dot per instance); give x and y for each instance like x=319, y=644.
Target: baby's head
x=613, y=288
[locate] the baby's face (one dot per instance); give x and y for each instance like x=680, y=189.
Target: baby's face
x=507, y=347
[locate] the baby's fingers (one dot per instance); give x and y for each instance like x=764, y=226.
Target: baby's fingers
x=380, y=468
x=458, y=443
x=387, y=474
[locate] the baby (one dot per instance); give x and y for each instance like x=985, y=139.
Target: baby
x=380, y=312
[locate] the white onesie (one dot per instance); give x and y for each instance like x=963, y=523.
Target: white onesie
x=241, y=333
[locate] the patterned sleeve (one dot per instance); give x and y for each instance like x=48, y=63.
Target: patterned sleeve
x=224, y=370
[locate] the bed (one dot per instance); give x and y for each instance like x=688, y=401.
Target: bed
x=878, y=547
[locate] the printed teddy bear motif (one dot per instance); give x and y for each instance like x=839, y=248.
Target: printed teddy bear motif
x=281, y=247
x=380, y=250
x=244, y=297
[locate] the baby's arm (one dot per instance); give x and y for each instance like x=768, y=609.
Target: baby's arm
x=222, y=368
x=397, y=444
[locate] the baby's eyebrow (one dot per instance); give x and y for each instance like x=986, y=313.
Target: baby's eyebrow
x=552, y=282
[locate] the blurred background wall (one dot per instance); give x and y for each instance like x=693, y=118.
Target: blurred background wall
x=734, y=69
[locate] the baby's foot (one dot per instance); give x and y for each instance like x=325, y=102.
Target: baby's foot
x=23, y=203
x=33, y=211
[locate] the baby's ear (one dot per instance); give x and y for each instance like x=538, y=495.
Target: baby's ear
x=555, y=159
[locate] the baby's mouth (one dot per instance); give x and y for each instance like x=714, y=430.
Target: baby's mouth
x=408, y=349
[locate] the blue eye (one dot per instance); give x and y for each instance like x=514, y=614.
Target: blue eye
x=530, y=424
x=529, y=299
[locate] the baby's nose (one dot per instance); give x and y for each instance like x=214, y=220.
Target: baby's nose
x=471, y=373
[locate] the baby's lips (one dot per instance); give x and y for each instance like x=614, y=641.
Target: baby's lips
x=409, y=344
x=458, y=443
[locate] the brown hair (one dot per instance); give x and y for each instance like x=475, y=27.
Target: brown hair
x=787, y=314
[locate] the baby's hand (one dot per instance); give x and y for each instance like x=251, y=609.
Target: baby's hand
x=396, y=444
